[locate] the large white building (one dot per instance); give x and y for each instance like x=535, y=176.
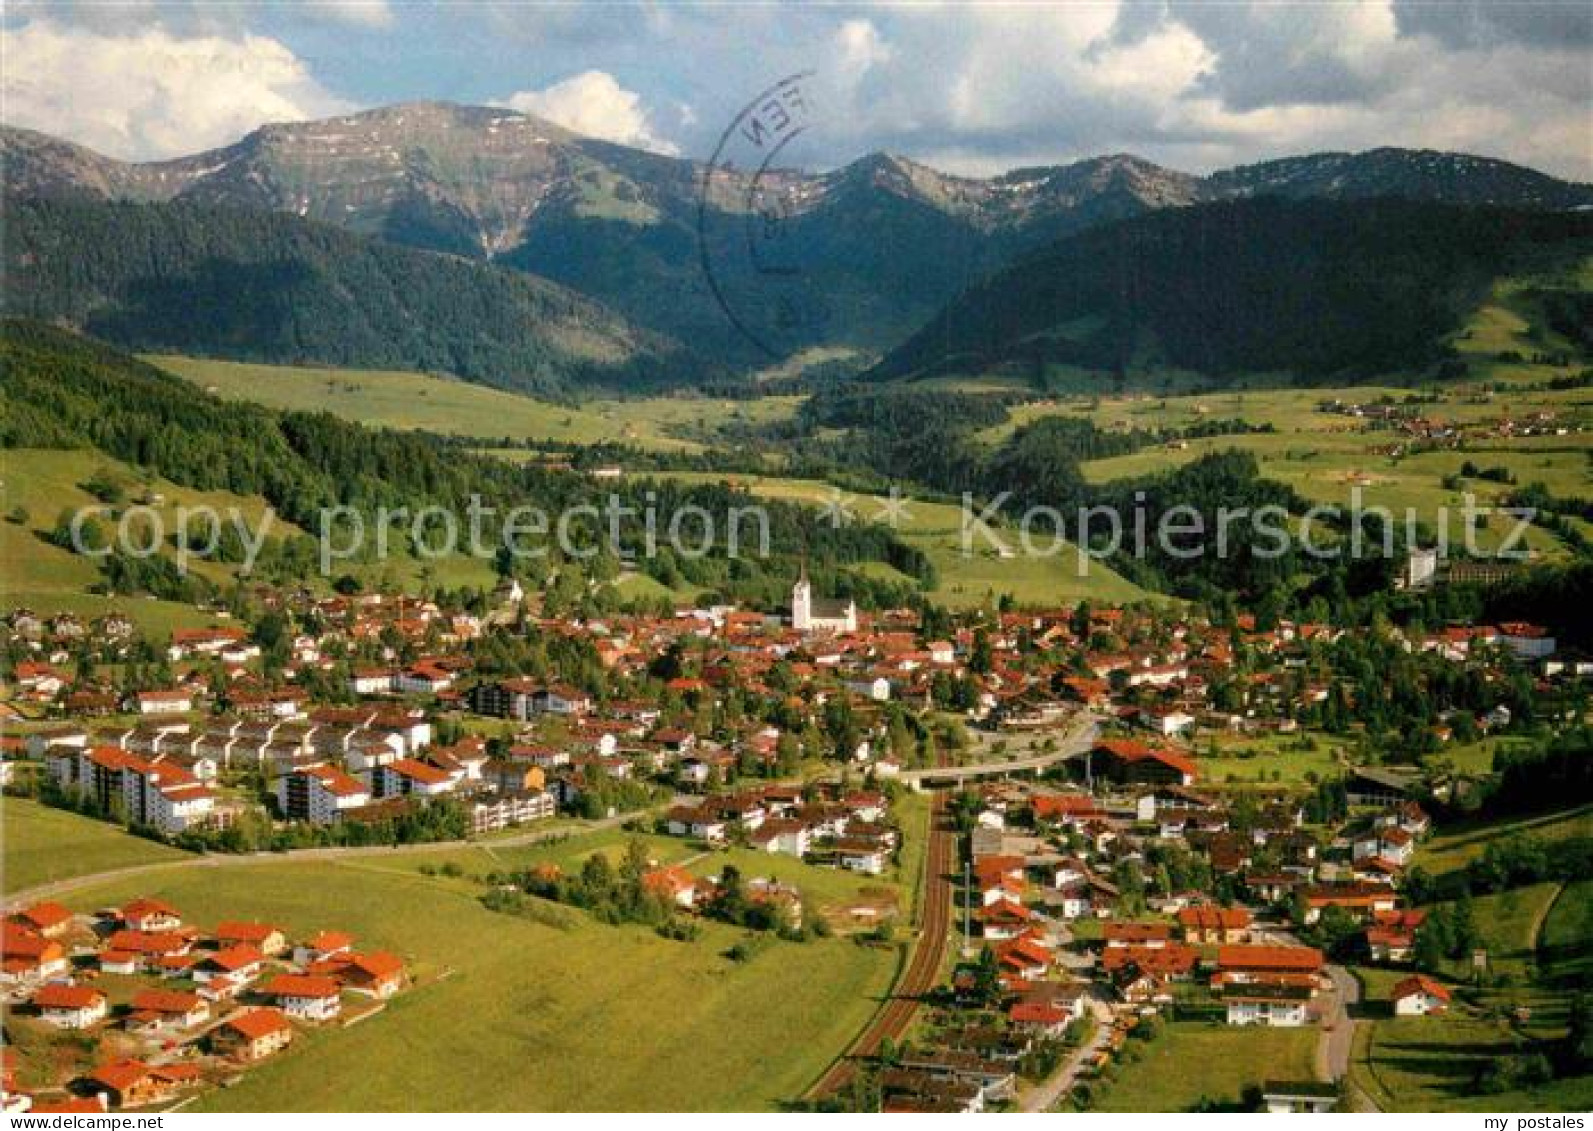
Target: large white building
x=818, y=615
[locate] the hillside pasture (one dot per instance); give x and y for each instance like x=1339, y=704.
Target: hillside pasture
x=511, y=1013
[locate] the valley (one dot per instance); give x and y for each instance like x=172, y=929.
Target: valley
x=585, y=704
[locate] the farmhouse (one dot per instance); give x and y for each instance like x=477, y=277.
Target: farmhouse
x=1133, y=763
x=162, y=1011
x=378, y=974
x=252, y=1035
x=47, y=919
x=29, y=958
x=238, y=964
x=150, y=915
x=322, y=945
x=71, y=1007
x=1419, y=995
x=307, y=997
x=132, y=1083
x=262, y=936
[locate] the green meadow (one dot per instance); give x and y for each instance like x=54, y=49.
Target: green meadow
x=1162, y=1074
x=406, y=400
x=557, y=1013
x=979, y=575
x=42, y=845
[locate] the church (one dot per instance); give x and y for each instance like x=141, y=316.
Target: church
x=819, y=615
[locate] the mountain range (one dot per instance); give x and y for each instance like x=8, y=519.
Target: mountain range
x=877, y=247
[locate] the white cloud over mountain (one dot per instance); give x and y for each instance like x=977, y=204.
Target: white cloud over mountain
x=974, y=88
x=595, y=104
x=153, y=94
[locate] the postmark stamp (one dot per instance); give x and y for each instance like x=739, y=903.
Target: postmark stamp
x=751, y=199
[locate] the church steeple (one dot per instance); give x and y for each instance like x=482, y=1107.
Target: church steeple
x=802, y=601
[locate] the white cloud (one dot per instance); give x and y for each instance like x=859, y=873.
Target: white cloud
x=595, y=104
x=151, y=94
x=360, y=13
x=861, y=46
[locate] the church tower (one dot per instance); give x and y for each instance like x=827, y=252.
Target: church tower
x=802, y=602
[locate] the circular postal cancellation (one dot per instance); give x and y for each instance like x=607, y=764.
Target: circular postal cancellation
x=749, y=221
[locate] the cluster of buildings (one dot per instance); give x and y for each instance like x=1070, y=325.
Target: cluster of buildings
x=822, y=825
x=1067, y=903
x=168, y=1008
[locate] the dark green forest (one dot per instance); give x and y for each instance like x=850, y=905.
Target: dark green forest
x=269, y=287
x=1319, y=288
x=64, y=391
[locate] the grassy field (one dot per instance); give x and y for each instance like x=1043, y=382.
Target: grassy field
x=1192, y=1062
x=1508, y=923
x=1266, y=759
x=1428, y=1064
x=1456, y=846
x=1539, y=939
x=975, y=577
x=518, y=1015
x=43, y=844
x=1565, y=944
x=1328, y=459
x=49, y=579
x=405, y=400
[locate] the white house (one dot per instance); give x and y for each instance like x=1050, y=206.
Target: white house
x=1418, y=995
x=71, y=1007
x=1277, y=1006
x=306, y=997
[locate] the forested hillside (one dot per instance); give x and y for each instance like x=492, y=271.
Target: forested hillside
x=1310, y=287
x=64, y=391
x=264, y=286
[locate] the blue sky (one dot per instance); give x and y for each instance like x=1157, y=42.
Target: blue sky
x=1197, y=85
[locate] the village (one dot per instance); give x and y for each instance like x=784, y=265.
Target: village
x=1088, y=874
x=166, y=1008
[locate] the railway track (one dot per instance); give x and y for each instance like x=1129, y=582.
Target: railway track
x=923, y=965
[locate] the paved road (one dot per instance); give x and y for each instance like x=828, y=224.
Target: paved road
x=1045, y=1095
x=1080, y=737
x=922, y=971
x=1338, y=1027
x=58, y=888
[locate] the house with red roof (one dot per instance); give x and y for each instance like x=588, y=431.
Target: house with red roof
x=377, y=974
x=1127, y=762
x=132, y=1083
x=672, y=883
x=71, y=1007
x=265, y=938
x=165, y=1011
x=1003, y=919
x=1208, y=923
x=1418, y=996
x=239, y=964
x=307, y=997
x=252, y=1035
x=322, y=945
x=48, y=919
x=407, y=776
x=146, y=914
x=1024, y=958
